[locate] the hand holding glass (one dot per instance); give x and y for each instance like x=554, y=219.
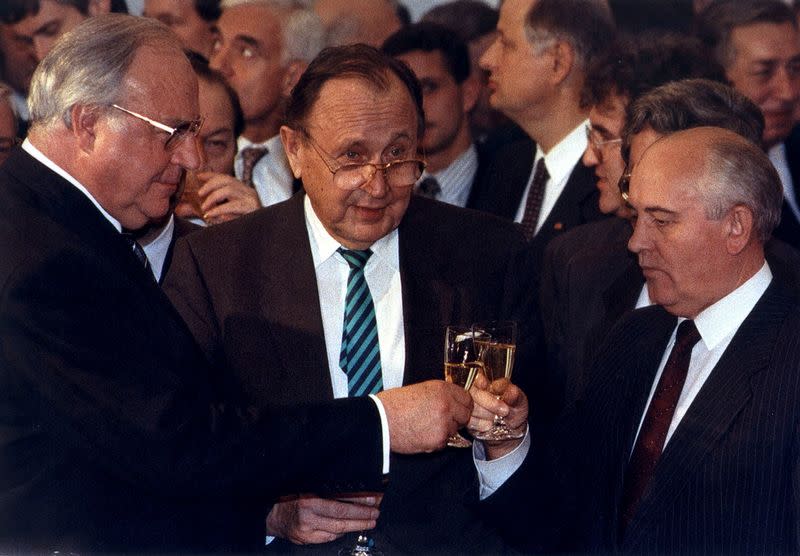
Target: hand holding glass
x=461, y=364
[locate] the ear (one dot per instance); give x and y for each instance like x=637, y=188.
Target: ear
x=563, y=61
x=470, y=89
x=291, y=74
x=84, y=125
x=292, y=144
x=99, y=7
x=738, y=229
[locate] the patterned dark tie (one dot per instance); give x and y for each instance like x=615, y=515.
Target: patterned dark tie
x=250, y=157
x=429, y=187
x=657, y=420
x=139, y=253
x=360, y=357
x=533, y=206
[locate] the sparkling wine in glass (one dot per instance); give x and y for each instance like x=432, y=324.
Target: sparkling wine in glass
x=496, y=343
x=461, y=364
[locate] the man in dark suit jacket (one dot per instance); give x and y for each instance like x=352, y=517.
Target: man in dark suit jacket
x=115, y=434
x=655, y=461
x=537, y=65
x=589, y=278
x=271, y=301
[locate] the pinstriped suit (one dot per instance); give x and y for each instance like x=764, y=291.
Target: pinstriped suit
x=727, y=481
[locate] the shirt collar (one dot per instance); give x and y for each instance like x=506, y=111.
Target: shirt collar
x=465, y=163
x=243, y=142
x=28, y=147
x=323, y=246
x=721, y=319
x=563, y=157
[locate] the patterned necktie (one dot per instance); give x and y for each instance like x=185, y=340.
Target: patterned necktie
x=360, y=357
x=250, y=157
x=429, y=187
x=139, y=253
x=657, y=420
x=533, y=206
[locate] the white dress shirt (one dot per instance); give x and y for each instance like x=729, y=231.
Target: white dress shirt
x=560, y=162
x=382, y=273
x=717, y=325
x=272, y=175
x=157, y=249
x=456, y=180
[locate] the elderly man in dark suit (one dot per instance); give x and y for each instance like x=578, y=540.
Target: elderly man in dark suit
x=115, y=434
x=686, y=440
x=276, y=288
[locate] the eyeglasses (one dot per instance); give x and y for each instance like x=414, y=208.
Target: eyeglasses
x=624, y=183
x=398, y=173
x=594, y=139
x=176, y=134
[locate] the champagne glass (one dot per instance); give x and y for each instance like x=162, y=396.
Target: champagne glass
x=461, y=364
x=496, y=343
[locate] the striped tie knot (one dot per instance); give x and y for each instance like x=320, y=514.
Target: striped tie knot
x=355, y=258
x=360, y=356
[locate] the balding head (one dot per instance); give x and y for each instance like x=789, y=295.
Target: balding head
x=701, y=219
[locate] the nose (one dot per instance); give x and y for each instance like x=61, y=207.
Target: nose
x=590, y=157
x=376, y=186
x=787, y=86
x=639, y=240
x=219, y=61
x=188, y=154
x=486, y=61
x=41, y=46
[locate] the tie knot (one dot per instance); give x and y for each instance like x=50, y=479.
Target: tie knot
x=251, y=155
x=357, y=259
x=429, y=187
x=687, y=334
x=541, y=173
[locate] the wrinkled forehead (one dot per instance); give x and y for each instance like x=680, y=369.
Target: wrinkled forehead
x=158, y=74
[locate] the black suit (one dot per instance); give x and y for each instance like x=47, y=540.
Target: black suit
x=589, y=280
x=113, y=436
x=727, y=481
x=503, y=185
x=254, y=301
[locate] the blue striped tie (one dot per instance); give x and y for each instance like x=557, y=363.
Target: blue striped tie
x=361, y=355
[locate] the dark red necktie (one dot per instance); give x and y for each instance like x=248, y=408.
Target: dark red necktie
x=657, y=420
x=533, y=206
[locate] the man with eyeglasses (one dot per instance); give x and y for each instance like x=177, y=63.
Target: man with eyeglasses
x=116, y=435
x=358, y=265
x=581, y=266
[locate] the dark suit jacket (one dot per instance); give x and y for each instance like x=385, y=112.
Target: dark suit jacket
x=727, y=481
x=504, y=182
x=248, y=291
x=113, y=436
x=589, y=280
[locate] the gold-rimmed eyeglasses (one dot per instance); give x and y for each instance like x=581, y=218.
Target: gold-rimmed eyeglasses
x=397, y=173
x=596, y=142
x=176, y=134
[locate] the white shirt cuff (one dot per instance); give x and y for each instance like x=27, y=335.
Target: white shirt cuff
x=384, y=433
x=493, y=473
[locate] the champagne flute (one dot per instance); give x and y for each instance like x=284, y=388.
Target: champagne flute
x=496, y=343
x=461, y=364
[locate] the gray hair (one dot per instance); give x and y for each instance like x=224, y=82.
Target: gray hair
x=88, y=65
x=586, y=25
x=302, y=32
x=739, y=173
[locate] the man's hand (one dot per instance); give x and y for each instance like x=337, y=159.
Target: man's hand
x=225, y=198
x=308, y=520
x=502, y=398
x=421, y=416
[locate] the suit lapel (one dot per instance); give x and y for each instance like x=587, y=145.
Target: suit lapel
x=298, y=337
x=427, y=299
x=720, y=400
x=569, y=210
